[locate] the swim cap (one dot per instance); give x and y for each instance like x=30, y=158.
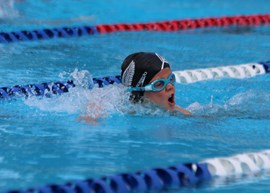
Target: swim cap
x=139, y=68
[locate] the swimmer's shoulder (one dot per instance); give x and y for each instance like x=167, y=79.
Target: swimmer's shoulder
x=182, y=110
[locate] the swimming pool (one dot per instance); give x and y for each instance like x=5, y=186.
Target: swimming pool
x=43, y=143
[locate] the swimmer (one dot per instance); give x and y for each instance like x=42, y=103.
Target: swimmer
x=148, y=77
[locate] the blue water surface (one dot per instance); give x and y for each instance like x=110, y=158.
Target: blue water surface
x=42, y=140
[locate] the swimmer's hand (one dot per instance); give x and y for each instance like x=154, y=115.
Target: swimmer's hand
x=88, y=119
x=94, y=113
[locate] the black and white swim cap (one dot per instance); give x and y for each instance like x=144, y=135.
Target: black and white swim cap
x=139, y=68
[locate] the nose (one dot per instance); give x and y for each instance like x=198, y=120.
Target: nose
x=169, y=87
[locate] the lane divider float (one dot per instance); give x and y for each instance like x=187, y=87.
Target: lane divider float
x=172, y=25
x=177, y=176
x=185, y=76
x=233, y=71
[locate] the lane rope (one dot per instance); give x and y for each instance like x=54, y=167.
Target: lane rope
x=185, y=76
x=172, y=25
x=177, y=176
x=233, y=71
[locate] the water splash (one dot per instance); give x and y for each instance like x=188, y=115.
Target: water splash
x=94, y=102
x=72, y=102
x=114, y=99
x=82, y=78
x=7, y=9
x=251, y=103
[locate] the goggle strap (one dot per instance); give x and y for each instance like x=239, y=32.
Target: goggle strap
x=148, y=88
x=136, y=89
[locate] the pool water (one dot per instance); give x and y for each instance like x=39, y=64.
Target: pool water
x=42, y=140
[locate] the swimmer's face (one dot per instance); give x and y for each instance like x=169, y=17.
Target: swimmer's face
x=164, y=98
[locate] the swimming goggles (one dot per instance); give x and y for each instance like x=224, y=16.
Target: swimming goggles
x=157, y=85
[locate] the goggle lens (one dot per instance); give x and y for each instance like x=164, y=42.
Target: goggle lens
x=161, y=84
x=157, y=85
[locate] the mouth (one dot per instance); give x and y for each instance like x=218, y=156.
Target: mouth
x=171, y=99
